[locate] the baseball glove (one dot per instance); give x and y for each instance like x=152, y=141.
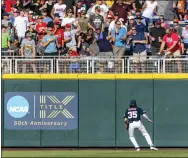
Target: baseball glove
x=127, y=127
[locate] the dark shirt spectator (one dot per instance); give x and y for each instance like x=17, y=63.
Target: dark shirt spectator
x=96, y=20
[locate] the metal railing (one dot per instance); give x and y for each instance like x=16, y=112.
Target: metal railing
x=88, y=65
x=34, y=66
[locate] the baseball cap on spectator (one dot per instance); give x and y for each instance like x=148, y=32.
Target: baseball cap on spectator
x=110, y=16
x=97, y=8
x=68, y=25
x=69, y=11
x=116, y=14
x=131, y=17
x=138, y=17
x=56, y=15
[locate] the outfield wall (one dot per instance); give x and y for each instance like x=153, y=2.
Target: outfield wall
x=102, y=100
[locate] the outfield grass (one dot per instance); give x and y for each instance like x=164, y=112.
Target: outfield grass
x=94, y=153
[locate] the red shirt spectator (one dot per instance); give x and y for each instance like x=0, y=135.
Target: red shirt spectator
x=59, y=33
x=8, y=4
x=41, y=28
x=169, y=39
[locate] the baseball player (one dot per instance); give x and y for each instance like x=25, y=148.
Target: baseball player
x=132, y=121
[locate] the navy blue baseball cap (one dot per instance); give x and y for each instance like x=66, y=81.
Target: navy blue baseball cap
x=133, y=102
x=57, y=15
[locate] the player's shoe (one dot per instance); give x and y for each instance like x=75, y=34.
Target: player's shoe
x=137, y=149
x=153, y=148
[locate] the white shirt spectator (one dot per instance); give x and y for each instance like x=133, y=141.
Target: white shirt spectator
x=68, y=34
x=103, y=7
x=68, y=20
x=150, y=7
x=60, y=9
x=21, y=24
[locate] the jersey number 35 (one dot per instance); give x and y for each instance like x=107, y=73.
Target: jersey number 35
x=132, y=114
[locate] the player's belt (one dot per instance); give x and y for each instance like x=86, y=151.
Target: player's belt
x=132, y=121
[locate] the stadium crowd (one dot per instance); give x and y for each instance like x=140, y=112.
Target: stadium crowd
x=104, y=28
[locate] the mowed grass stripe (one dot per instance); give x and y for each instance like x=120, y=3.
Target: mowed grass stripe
x=95, y=153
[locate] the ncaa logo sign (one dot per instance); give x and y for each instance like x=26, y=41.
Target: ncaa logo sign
x=17, y=106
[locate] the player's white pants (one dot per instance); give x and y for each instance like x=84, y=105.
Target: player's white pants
x=142, y=129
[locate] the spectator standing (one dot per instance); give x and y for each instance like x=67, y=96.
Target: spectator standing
x=32, y=32
x=96, y=20
x=89, y=13
x=131, y=23
x=49, y=41
x=59, y=8
x=83, y=21
x=69, y=37
x=28, y=50
x=163, y=23
x=118, y=37
x=30, y=16
x=71, y=4
x=137, y=4
x=139, y=42
x=8, y=4
x=156, y=36
x=48, y=6
x=5, y=20
x=46, y=18
x=21, y=24
x=103, y=8
x=170, y=11
x=69, y=19
x=185, y=37
x=122, y=9
x=181, y=8
x=140, y=27
x=161, y=7
x=172, y=41
x=5, y=40
x=90, y=36
x=59, y=32
x=177, y=27
x=105, y=47
x=149, y=9
x=112, y=24
x=41, y=28
x=83, y=46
